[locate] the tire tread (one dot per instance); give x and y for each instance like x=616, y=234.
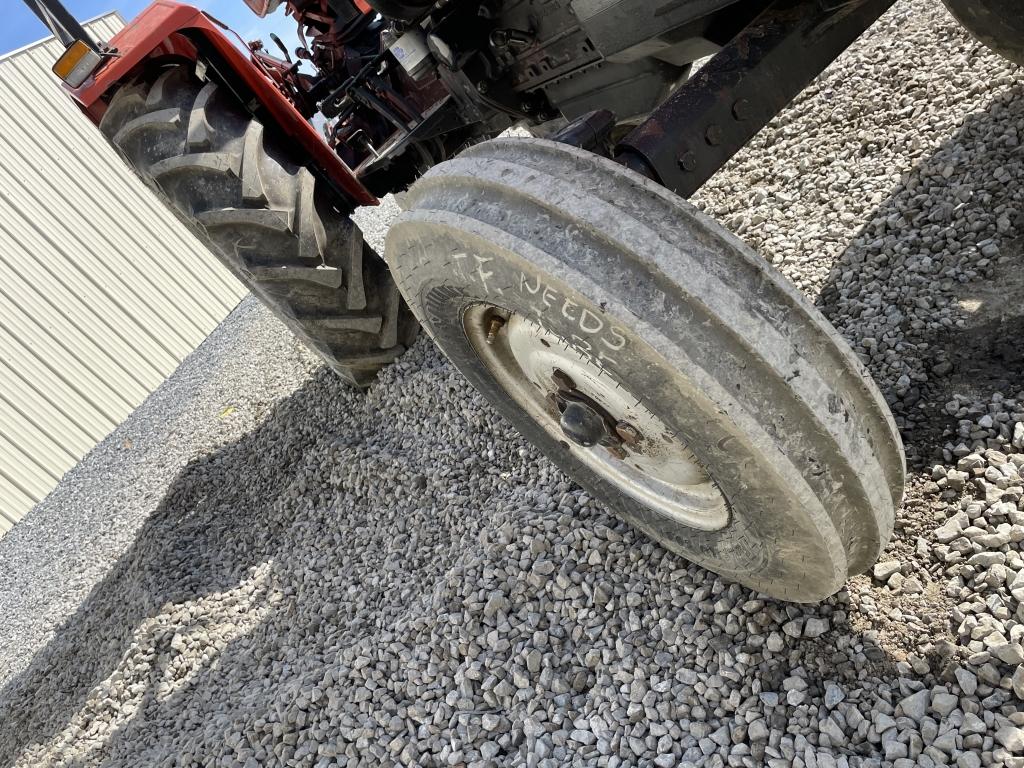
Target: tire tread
x=265, y=217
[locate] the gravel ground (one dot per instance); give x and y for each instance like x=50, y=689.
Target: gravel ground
x=263, y=568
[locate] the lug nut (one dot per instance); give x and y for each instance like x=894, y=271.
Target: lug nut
x=562, y=380
x=496, y=324
x=688, y=161
x=741, y=109
x=629, y=434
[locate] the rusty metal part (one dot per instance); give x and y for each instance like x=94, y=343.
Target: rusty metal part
x=555, y=403
x=494, y=327
x=615, y=450
x=614, y=434
x=629, y=434
x=711, y=116
x=563, y=380
x=527, y=357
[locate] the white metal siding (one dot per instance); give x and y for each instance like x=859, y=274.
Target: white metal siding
x=102, y=291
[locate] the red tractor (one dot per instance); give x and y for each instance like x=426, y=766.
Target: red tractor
x=652, y=355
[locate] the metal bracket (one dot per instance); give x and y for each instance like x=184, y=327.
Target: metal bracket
x=709, y=118
x=592, y=132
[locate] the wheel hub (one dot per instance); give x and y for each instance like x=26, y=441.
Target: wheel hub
x=595, y=417
x=582, y=424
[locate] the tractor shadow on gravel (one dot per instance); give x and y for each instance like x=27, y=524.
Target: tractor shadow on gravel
x=981, y=354
x=985, y=352
x=200, y=542
x=200, y=562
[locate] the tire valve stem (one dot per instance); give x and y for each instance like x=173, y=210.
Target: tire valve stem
x=496, y=324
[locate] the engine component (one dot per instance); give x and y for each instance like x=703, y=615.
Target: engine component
x=407, y=10
x=412, y=53
x=628, y=30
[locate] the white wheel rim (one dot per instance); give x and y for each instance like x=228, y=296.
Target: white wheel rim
x=657, y=470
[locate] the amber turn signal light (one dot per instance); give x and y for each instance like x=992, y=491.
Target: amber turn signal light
x=76, y=63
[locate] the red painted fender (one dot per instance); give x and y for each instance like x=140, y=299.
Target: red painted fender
x=168, y=28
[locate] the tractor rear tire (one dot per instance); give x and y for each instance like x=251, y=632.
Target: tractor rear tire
x=264, y=216
x=658, y=360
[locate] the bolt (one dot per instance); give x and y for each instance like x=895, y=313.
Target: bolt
x=562, y=380
x=741, y=109
x=629, y=434
x=713, y=135
x=483, y=87
x=688, y=161
x=496, y=324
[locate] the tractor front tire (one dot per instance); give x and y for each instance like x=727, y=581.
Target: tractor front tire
x=656, y=359
x=264, y=215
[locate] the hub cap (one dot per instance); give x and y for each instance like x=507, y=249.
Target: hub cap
x=582, y=424
x=594, y=417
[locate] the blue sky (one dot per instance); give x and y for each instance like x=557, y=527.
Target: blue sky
x=21, y=27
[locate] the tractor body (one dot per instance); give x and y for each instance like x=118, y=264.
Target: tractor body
x=647, y=351
x=398, y=87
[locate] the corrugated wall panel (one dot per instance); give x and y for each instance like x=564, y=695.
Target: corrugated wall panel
x=102, y=291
